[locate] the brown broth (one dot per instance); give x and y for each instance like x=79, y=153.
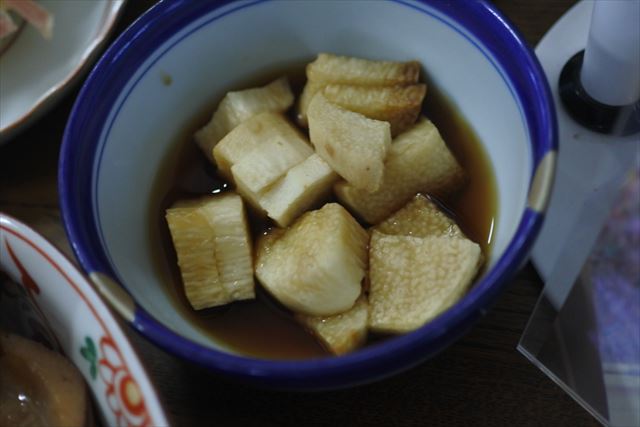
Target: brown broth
x=475, y=207
x=262, y=328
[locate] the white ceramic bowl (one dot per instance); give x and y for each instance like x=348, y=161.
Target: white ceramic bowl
x=127, y=120
x=49, y=300
x=37, y=72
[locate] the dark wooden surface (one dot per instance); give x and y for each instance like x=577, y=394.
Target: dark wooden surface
x=480, y=380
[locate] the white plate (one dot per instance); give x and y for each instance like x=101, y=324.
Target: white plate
x=591, y=168
x=35, y=72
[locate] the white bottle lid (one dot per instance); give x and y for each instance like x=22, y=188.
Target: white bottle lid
x=611, y=69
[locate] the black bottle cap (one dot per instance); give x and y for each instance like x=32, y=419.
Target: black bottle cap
x=602, y=118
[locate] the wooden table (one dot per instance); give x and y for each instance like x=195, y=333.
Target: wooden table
x=480, y=380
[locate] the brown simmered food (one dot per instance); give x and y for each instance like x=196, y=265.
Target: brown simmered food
x=213, y=245
x=418, y=161
x=317, y=265
x=39, y=387
x=369, y=156
x=420, y=263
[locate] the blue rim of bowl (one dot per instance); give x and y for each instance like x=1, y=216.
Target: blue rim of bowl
x=500, y=42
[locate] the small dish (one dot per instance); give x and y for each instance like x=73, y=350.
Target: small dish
x=48, y=300
x=36, y=72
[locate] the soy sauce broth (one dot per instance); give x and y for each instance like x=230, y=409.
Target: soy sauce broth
x=261, y=327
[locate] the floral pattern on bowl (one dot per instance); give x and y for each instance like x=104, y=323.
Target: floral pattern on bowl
x=45, y=298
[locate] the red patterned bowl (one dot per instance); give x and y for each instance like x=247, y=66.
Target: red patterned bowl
x=44, y=297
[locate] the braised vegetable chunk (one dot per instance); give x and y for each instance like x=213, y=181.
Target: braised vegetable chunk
x=301, y=188
x=421, y=217
x=250, y=134
x=239, y=106
x=317, y=265
x=330, y=69
x=39, y=387
x=398, y=105
x=212, y=241
x=353, y=145
x=417, y=269
x=269, y=161
x=274, y=167
x=418, y=161
x=341, y=333
x=414, y=279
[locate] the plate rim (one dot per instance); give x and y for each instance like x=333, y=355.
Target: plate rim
x=113, y=10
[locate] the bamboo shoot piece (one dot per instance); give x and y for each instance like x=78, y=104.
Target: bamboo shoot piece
x=419, y=161
x=317, y=265
x=212, y=241
x=353, y=145
x=236, y=107
x=414, y=279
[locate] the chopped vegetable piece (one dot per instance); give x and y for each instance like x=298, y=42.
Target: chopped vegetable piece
x=421, y=217
x=340, y=333
x=414, y=279
x=398, y=105
x=236, y=107
x=353, y=145
x=250, y=134
x=301, y=188
x=317, y=265
x=211, y=238
x=418, y=161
